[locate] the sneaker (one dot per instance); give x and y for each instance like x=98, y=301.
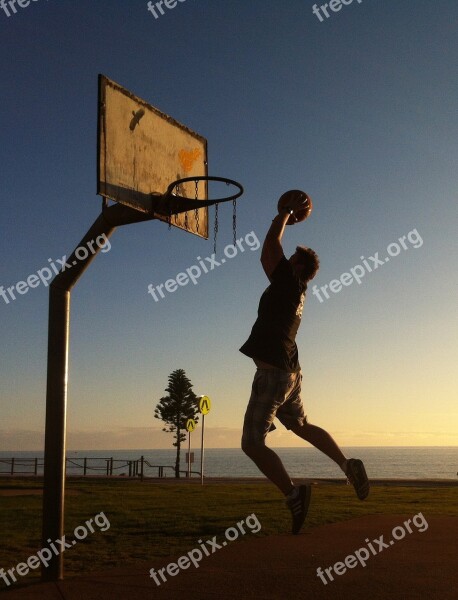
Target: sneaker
x=356, y=476
x=299, y=507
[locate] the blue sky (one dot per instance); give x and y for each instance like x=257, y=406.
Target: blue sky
x=358, y=110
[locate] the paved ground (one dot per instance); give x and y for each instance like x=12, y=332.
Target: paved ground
x=419, y=566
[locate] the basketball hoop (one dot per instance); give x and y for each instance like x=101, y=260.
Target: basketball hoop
x=173, y=203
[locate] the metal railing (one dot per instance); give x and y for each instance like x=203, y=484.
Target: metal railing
x=102, y=466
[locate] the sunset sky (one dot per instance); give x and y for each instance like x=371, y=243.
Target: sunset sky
x=359, y=110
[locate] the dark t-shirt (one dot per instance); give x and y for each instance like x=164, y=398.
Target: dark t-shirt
x=273, y=337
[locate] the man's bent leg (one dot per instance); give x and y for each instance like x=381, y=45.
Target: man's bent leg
x=270, y=464
x=321, y=440
x=269, y=390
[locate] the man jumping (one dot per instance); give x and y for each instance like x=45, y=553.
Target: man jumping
x=277, y=383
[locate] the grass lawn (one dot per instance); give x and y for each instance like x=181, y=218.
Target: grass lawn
x=150, y=521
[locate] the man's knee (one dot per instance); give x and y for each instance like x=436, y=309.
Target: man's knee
x=300, y=428
x=250, y=447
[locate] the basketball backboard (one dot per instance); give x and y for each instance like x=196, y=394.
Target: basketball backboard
x=141, y=151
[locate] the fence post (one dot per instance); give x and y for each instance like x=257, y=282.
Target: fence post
x=36, y=466
x=111, y=466
x=141, y=468
x=85, y=467
x=12, y=466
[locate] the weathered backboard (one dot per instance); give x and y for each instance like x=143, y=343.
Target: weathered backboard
x=141, y=151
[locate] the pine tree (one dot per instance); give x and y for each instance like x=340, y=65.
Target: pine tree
x=176, y=408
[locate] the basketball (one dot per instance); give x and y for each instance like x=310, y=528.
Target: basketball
x=299, y=202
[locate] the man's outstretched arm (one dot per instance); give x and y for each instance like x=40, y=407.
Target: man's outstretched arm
x=272, y=250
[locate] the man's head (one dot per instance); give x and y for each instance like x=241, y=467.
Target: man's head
x=305, y=263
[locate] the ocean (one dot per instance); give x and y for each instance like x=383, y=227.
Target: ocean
x=380, y=462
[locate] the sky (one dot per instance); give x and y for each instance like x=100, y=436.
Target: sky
x=358, y=109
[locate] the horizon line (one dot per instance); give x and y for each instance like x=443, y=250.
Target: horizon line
x=220, y=448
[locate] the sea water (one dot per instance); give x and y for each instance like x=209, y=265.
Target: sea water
x=380, y=462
